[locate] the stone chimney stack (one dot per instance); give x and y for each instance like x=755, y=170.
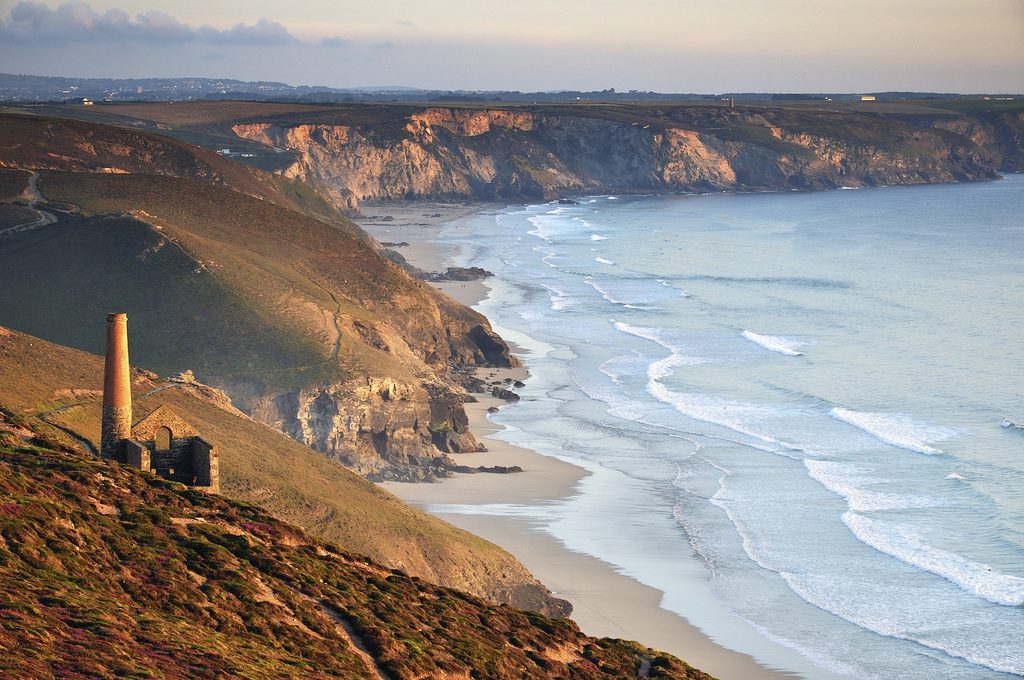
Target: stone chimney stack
x=117, y=390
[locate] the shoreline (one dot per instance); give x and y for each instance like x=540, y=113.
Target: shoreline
x=606, y=603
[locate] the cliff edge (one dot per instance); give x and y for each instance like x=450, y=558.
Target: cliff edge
x=539, y=153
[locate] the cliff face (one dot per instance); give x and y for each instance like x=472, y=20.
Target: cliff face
x=303, y=321
x=379, y=427
x=495, y=153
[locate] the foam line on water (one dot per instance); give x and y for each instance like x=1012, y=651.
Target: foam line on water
x=677, y=354
x=847, y=480
x=560, y=300
x=901, y=542
x=775, y=343
x=610, y=296
x=818, y=589
x=732, y=415
x=895, y=429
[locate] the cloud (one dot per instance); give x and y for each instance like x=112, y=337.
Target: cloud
x=335, y=41
x=77, y=22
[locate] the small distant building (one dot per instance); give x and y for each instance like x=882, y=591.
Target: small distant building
x=163, y=442
x=86, y=101
x=868, y=98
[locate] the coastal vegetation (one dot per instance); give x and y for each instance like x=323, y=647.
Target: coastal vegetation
x=58, y=391
x=108, y=572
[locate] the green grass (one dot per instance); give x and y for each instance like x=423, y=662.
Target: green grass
x=275, y=258
x=182, y=317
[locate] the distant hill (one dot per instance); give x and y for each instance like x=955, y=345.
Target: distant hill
x=540, y=151
x=106, y=572
x=29, y=88
x=57, y=390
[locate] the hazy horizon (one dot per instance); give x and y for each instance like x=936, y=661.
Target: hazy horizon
x=658, y=45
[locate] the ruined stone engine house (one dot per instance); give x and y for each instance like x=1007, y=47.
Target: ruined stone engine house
x=162, y=442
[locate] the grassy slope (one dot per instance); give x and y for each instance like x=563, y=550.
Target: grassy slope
x=12, y=183
x=262, y=247
x=58, y=280
x=105, y=572
x=40, y=142
x=259, y=464
x=265, y=261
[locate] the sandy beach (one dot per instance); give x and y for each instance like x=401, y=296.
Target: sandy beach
x=605, y=602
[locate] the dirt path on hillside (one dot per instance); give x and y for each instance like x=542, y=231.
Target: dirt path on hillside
x=32, y=197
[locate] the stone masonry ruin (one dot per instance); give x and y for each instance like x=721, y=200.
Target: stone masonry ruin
x=163, y=442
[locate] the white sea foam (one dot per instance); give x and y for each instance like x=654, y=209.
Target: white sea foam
x=895, y=429
x=603, y=260
x=606, y=294
x=821, y=591
x=598, y=237
x=775, y=343
x=559, y=298
x=903, y=543
x=847, y=480
x=610, y=296
x=667, y=284
x=1009, y=424
x=733, y=415
x=677, y=353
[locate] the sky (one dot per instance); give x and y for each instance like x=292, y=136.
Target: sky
x=707, y=46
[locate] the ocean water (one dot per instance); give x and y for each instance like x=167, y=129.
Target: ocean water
x=803, y=403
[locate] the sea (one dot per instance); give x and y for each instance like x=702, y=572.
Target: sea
x=802, y=412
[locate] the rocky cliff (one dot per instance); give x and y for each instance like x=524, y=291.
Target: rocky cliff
x=300, y=319
x=526, y=153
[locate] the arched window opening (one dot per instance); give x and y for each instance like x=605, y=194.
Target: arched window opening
x=163, y=439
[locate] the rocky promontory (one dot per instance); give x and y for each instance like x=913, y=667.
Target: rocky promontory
x=547, y=152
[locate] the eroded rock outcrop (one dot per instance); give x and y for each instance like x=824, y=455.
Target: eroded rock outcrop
x=530, y=154
x=380, y=427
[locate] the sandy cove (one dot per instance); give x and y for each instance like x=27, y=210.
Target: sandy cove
x=605, y=602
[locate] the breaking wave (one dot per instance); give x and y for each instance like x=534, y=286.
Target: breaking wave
x=775, y=343
x=895, y=429
x=902, y=543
